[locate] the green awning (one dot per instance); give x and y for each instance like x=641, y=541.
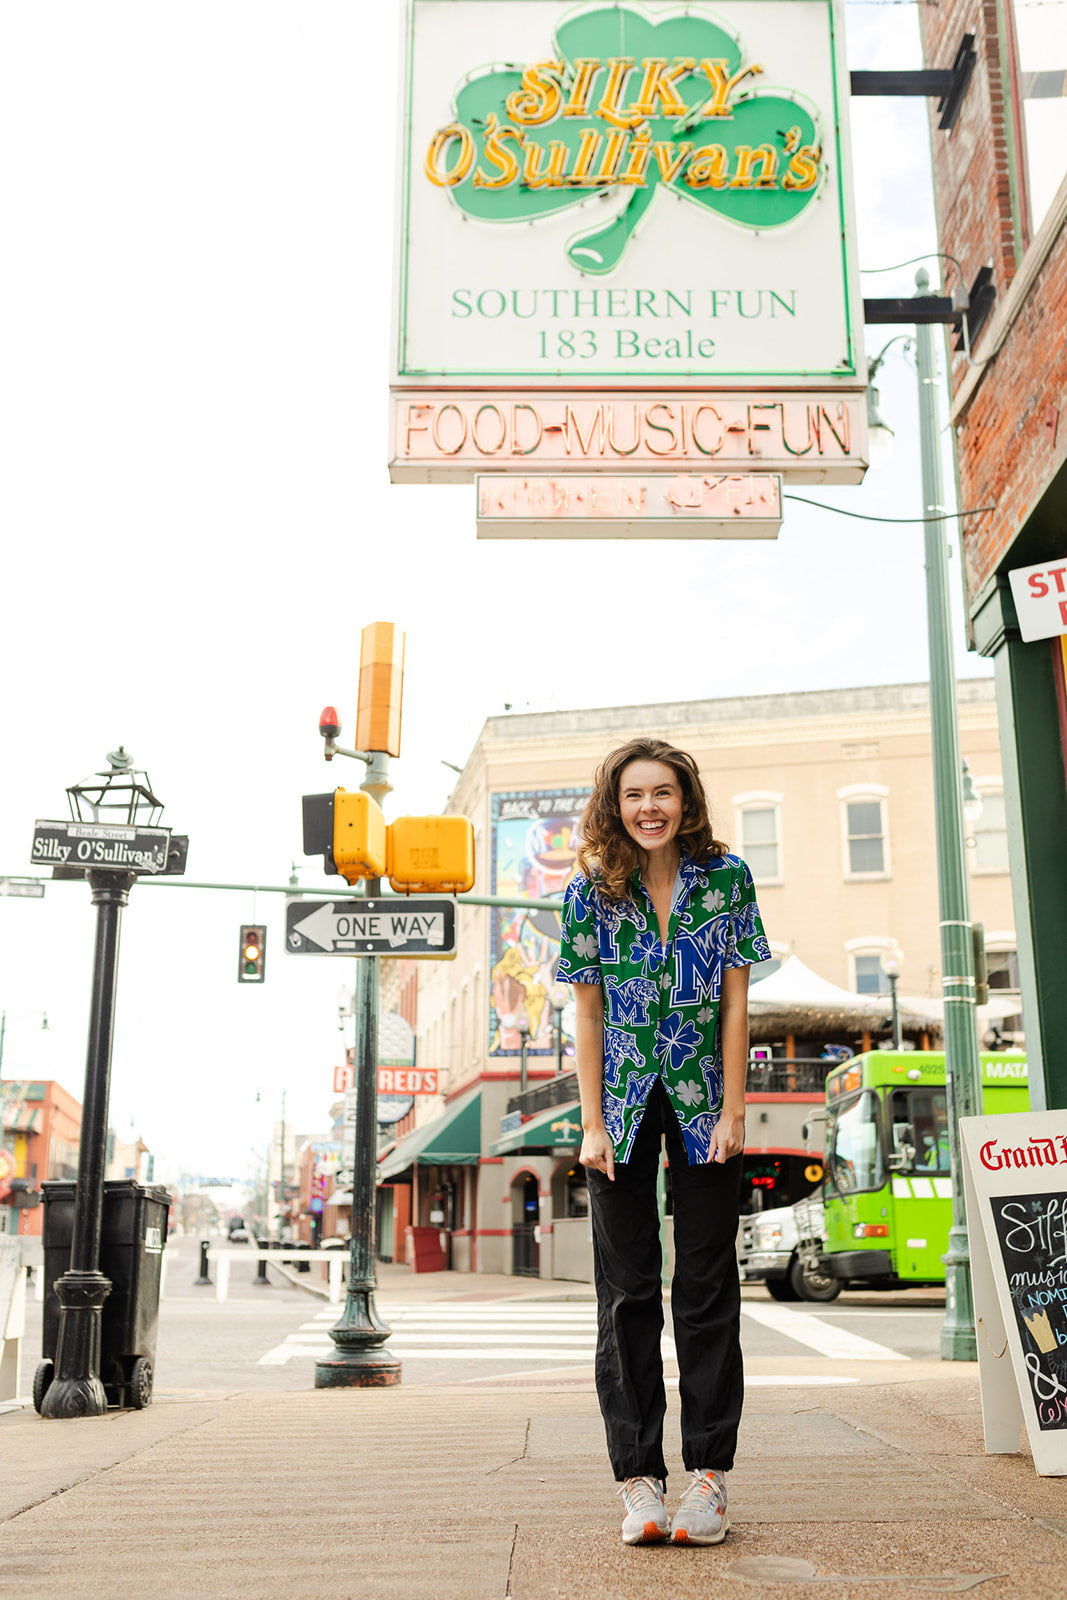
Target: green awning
x=454, y=1139
x=558, y=1128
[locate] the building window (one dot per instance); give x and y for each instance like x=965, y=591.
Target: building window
x=1040, y=47
x=763, y=969
x=1003, y=968
x=759, y=830
x=990, y=831
x=868, y=957
x=866, y=842
x=870, y=975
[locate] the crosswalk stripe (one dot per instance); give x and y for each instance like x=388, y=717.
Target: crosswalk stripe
x=833, y=1342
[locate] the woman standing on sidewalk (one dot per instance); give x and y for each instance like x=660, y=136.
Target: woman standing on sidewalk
x=659, y=928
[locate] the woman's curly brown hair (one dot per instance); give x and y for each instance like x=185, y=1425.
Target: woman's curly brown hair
x=607, y=853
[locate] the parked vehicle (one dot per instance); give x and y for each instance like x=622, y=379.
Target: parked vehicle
x=770, y=1254
x=882, y=1217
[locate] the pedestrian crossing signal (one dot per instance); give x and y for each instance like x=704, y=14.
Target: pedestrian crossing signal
x=252, y=953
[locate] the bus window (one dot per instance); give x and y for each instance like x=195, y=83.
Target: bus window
x=919, y=1131
x=855, y=1150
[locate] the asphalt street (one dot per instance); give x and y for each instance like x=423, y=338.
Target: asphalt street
x=268, y=1338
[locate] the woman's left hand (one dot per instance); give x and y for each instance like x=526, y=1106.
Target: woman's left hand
x=728, y=1136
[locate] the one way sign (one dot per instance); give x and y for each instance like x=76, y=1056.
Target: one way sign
x=392, y=927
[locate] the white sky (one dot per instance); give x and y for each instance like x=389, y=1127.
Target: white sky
x=196, y=520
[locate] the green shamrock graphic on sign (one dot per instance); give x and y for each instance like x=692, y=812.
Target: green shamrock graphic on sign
x=627, y=104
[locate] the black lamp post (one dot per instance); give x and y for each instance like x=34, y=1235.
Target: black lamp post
x=892, y=972
x=523, y=1029
x=558, y=996
x=112, y=837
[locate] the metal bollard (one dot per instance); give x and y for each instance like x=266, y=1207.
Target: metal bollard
x=260, y=1280
x=203, y=1282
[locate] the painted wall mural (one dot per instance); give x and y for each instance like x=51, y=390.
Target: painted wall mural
x=534, y=840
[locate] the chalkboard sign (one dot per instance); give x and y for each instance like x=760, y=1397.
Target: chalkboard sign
x=1033, y=1251
x=1015, y=1182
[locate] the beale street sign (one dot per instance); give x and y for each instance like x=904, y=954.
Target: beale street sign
x=398, y=926
x=640, y=195
x=100, y=846
x=605, y=506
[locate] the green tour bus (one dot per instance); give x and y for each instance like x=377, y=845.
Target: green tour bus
x=887, y=1193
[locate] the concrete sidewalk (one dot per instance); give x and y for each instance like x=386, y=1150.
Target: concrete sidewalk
x=500, y=1487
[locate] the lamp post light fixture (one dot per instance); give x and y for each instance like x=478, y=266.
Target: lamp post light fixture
x=891, y=968
x=522, y=1028
x=112, y=838
x=972, y=800
x=558, y=996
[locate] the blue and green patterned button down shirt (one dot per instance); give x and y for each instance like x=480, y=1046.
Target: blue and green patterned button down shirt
x=661, y=1006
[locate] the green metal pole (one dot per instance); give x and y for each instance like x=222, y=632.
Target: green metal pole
x=361, y=1360
x=963, y=1067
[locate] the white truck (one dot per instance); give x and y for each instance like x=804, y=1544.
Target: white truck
x=769, y=1252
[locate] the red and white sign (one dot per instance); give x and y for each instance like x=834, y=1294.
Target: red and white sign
x=407, y=1080
x=1040, y=595
x=344, y=1077
x=451, y=437
x=7, y=1172
x=738, y=505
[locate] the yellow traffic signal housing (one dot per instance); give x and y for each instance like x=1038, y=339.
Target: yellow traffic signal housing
x=381, y=688
x=431, y=855
x=358, y=836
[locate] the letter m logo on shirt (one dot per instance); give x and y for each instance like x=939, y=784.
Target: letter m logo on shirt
x=629, y=1002
x=698, y=964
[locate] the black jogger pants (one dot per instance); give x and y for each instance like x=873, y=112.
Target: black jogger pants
x=705, y=1301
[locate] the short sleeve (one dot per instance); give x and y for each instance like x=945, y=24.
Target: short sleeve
x=746, y=941
x=579, y=950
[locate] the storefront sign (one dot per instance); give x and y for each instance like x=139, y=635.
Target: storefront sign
x=610, y=195
x=614, y=506
x=442, y=438
x=1015, y=1177
x=1040, y=595
x=407, y=1080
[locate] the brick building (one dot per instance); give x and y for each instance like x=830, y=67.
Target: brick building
x=42, y=1126
x=1000, y=181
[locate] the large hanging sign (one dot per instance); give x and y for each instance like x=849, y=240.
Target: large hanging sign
x=640, y=196
x=1015, y=1180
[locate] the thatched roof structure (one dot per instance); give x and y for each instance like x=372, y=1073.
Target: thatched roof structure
x=796, y=1000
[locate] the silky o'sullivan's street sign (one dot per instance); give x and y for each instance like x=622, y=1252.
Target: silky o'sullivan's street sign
x=635, y=197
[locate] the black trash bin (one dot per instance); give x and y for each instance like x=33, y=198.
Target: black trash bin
x=131, y=1255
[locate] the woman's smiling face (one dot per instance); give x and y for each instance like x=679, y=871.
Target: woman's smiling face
x=650, y=804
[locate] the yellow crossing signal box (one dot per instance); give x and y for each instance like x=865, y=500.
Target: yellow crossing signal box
x=359, y=848
x=430, y=855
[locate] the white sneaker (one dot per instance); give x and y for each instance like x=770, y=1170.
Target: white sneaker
x=646, y=1520
x=701, y=1515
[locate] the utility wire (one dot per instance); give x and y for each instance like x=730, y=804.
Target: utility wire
x=863, y=516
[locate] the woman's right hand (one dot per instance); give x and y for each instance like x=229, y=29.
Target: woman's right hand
x=598, y=1151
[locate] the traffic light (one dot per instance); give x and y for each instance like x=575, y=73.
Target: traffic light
x=252, y=955
x=431, y=855
x=358, y=835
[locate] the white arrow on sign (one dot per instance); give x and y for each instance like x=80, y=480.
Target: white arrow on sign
x=334, y=927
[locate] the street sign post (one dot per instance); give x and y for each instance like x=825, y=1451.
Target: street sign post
x=101, y=846
x=391, y=927
x=25, y=888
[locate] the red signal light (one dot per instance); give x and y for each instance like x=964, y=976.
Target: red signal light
x=329, y=722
